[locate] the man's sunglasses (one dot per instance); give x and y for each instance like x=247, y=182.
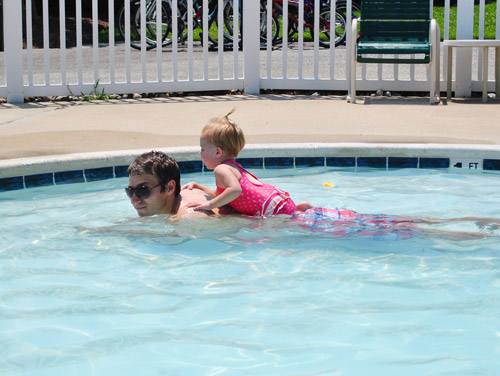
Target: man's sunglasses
x=141, y=191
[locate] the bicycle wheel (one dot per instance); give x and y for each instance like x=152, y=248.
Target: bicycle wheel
x=229, y=23
x=341, y=8
x=324, y=28
x=152, y=24
x=213, y=29
x=264, y=26
x=182, y=26
x=135, y=23
x=229, y=19
x=135, y=35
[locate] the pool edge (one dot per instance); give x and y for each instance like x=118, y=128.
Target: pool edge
x=89, y=165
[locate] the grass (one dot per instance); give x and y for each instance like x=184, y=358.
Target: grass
x=489, y=20
x=94, y=95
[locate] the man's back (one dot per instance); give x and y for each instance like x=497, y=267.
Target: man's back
x=194, y=195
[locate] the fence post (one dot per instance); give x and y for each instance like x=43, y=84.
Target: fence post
x=13, y=53
x=348, y=48
x=465, y=30
x=251, y=46
x=1, y=25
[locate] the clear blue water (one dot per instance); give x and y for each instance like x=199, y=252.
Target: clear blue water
x=88, y=288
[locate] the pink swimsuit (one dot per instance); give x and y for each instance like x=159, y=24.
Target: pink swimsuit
x=262, y=200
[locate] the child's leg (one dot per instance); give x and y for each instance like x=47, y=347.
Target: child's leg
x=453, y=235
x=479, y=220
x=303, y=206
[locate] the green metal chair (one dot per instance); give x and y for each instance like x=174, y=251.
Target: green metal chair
x=391, y=28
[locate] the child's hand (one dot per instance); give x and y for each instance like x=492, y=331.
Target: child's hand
x=191, y=185
x=199, y=206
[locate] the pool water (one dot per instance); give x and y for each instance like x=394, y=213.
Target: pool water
x=89, y=288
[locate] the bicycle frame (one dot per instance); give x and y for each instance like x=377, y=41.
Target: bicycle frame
x=198, y=10
x=294, y=5
x=309, y=18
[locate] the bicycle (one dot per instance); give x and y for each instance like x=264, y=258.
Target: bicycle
x=324, y=27
x=277, y=12
x=229, y=22
x=213, y=25
x=166, y=21
x=293, y=17
x=151, y=24
x=341, y=9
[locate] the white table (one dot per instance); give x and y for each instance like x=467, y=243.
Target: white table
x=476, y=43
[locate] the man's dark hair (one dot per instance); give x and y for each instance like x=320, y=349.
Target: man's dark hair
x=160, y=165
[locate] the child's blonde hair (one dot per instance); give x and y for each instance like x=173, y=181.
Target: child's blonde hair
x=225, y=134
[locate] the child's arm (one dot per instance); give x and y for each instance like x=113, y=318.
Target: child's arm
x=227, y=180
x=193, y=185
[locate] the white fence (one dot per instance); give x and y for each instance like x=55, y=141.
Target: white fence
x=192, y=66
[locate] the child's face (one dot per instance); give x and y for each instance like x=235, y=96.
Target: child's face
x=210, y=154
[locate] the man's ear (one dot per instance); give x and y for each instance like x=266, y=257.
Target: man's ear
x=170, y=187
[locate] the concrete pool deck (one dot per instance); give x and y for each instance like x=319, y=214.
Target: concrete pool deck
x=40, y=130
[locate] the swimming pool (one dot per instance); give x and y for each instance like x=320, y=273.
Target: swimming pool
x=90, y=288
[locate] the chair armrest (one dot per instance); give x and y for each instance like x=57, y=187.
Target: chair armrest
x=435, y=39
x=354, y=37
x=434, y=31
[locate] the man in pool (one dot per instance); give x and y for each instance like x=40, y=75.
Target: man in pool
x=154, y=187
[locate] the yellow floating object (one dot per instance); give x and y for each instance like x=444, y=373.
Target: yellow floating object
x=331, y=185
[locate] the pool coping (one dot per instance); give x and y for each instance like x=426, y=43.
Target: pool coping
x=83, y=167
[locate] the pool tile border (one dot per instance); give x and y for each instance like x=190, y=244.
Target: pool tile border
x=46, y=171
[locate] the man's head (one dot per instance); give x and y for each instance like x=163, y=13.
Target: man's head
x=154, y=183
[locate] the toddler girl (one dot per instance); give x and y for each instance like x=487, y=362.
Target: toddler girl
x=221, y=140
